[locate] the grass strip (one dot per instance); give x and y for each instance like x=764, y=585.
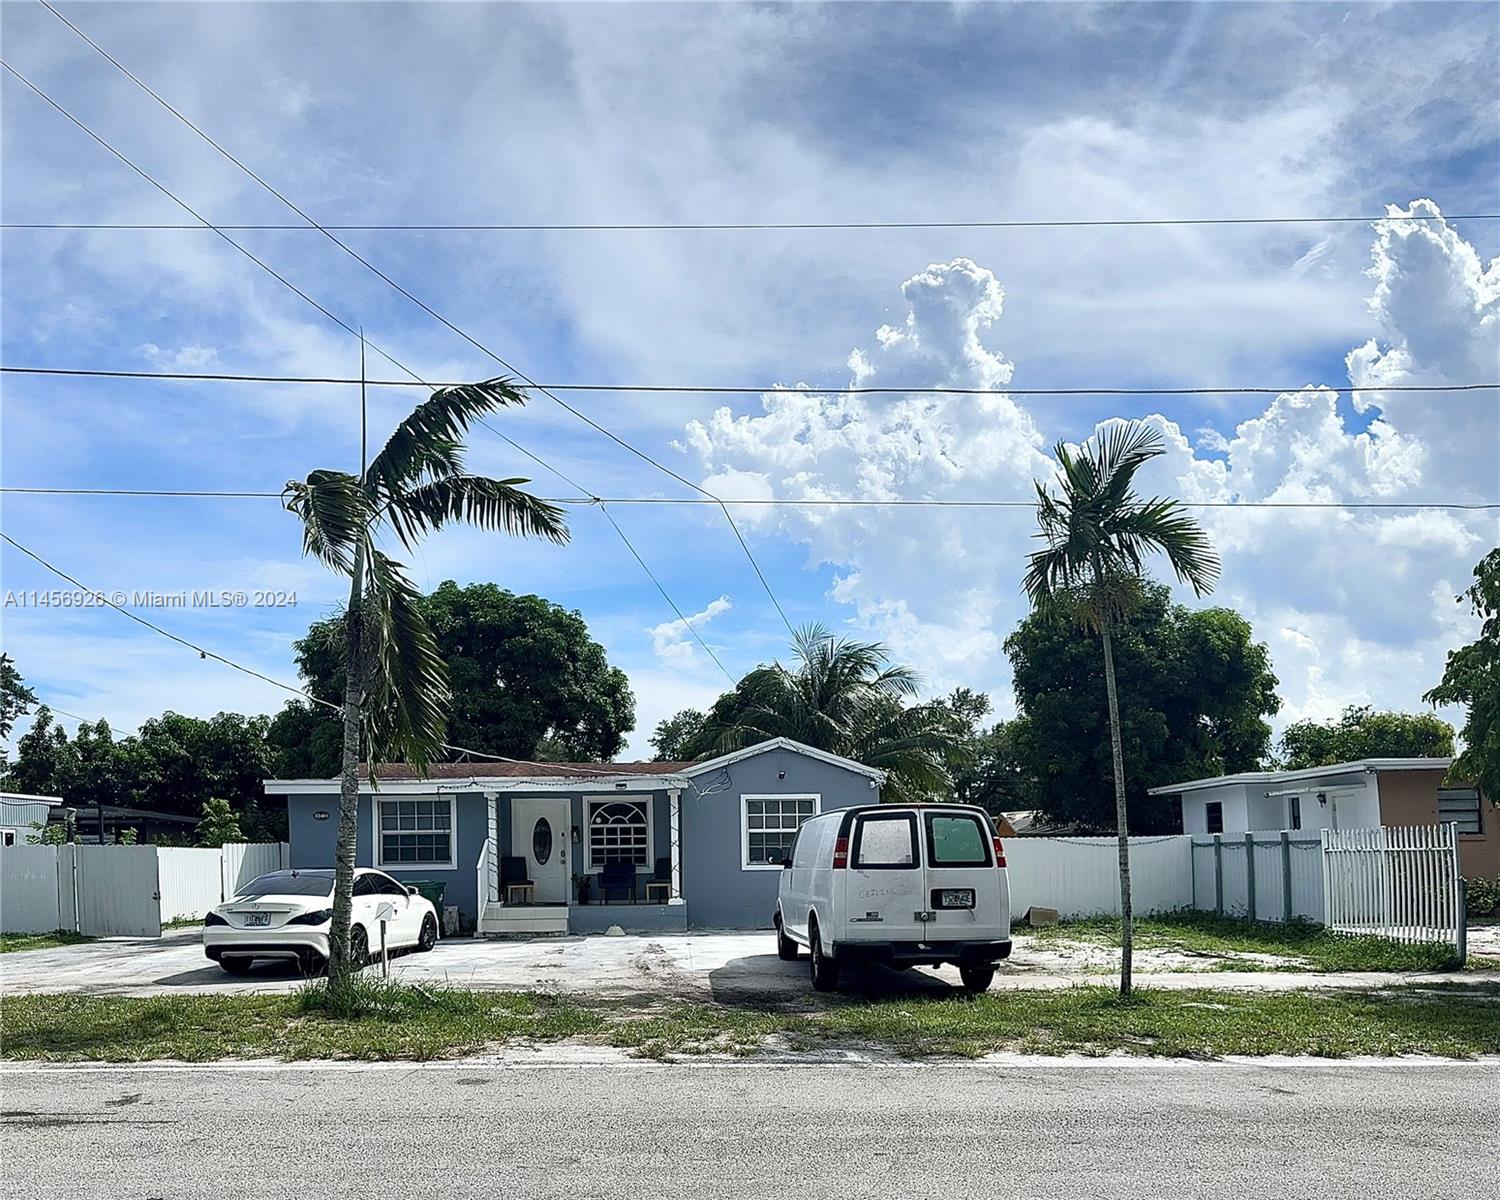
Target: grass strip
x=1308, y=946
x=11, y=943
x=395, y=1021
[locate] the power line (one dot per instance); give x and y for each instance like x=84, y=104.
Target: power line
x=743, y=226
x=417, y=380
x=742, y=389
x=565, y=768
x=783, y=502
x=425, y=307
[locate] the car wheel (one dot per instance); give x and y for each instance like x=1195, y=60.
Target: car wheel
x=236, y=964
x=786, y=949
x=825, y=970
x=976, y=979
x=359, y=946
x=427, y=939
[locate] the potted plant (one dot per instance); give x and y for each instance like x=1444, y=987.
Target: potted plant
x=582, y=884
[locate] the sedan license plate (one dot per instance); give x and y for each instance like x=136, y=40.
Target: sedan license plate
x=252, y=919
x=956, y=898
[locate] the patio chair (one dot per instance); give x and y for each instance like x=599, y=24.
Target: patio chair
x=515, y=880
x=659, y=886
x=617, y=877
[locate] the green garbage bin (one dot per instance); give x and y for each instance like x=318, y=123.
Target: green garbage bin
x=434, y=890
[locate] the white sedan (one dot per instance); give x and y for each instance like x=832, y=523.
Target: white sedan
x=287, y=914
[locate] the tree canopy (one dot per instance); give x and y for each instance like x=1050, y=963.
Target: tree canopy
x=1361, y=732
x=1199, y=688
x=1472, y=678
x=526, y=680
x=676, y=734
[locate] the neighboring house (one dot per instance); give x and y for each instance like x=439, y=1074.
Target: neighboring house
x=19, y=811
x=710, y=835
x=1356, y=795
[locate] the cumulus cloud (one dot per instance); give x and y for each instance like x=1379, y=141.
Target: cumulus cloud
x=675, y=644
x=1355, y=602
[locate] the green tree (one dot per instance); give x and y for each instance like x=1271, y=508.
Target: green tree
x=842, y=696
x=16, y=698
x=1472, y=678
x=1097, y=534
x=44, y=758
x=676, y=734
x=1200, y=688
x=46, y=835
x=1361, y=732
x=527, y=681
x=396, y=688
x=219, y=824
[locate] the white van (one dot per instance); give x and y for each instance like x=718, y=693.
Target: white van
x=896, y=884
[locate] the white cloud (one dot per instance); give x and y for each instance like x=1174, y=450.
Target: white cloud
x=675, y=644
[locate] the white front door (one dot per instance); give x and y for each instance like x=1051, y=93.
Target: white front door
x=539, y=831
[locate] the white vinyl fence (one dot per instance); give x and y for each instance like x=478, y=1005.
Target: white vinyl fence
x=1080, y=877
x=122, y=891
x=1266, y=876
x=1394, y=882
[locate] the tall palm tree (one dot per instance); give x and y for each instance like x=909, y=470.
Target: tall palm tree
x=843, y=696
x=396, y=683
x=1098, y=532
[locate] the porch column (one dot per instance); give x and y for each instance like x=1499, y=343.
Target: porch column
x=674, y=825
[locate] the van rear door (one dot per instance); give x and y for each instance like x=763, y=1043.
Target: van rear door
x=966, y=894
x=884, y=883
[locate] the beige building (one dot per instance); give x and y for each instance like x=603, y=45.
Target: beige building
x=1356, y=795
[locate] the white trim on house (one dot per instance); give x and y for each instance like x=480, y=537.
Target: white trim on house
x=490, y=785
x=745, y=798
x=452, y=831
x=27, y=798
x=784, y=743
x=590, y=867
x=1366, y=766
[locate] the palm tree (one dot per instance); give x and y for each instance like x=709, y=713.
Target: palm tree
x=1097, y=534
x=396, y=683
x=843, y=696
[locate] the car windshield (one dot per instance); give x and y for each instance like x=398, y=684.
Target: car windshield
x=291, y=883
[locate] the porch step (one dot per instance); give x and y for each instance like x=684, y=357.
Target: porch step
x=500, y=918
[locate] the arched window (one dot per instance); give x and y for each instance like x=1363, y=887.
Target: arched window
x=618, y=832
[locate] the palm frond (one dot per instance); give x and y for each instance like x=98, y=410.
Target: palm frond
x=1161, y=525
x=406, y=717
x=476, y=500
x=333, y=512
x=428, y=441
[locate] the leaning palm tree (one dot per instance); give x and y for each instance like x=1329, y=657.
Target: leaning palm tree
x=843, y=696
x=1098, y=533
x=396, y=683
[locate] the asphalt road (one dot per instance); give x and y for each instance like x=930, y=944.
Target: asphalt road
x=1021, y=1128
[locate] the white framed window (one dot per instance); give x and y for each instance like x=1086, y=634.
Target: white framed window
x=415, y=831
x=619, y=831
x=1461, y=806
x=768, y=826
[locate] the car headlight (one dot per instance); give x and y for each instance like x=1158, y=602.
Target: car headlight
x=321, y=917
x=213, y=918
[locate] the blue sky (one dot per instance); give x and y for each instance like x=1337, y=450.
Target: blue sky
x=389, y=113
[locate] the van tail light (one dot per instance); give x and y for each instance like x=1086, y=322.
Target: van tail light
x=999, y=852
x=841, y=853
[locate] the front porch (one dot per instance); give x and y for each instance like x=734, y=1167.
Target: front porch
x=569, y=857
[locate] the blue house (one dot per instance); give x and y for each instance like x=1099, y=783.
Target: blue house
x=578, y=847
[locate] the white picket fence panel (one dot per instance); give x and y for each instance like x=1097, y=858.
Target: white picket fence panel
x=123, y=891
x=1398, y=882
x=1080, y=877
x=29, y=901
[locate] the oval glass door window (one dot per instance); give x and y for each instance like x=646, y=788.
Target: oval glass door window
x=541, y=842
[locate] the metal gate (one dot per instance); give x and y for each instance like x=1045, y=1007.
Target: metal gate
x=1398, y=882
x=115, y=889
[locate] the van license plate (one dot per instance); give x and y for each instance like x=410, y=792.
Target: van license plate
x=956, y=898
x=264, y=918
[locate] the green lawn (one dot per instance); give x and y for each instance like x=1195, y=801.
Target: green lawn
x=387, y=1021
x=1222, y=942
x=11, y=942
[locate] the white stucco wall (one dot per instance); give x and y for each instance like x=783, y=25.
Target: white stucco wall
x=1247, y=807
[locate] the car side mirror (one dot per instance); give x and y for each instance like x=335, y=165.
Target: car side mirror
x=411, y=891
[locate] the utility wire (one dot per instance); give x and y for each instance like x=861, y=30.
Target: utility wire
x=416, y=379
x=427, y=308
x=745, y=389
x=203, y=652
x=709, y=226
x=601, y=502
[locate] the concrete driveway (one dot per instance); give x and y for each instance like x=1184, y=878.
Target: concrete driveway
x=731, y=967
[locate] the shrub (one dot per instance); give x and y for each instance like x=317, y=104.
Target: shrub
x=1483, y=897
